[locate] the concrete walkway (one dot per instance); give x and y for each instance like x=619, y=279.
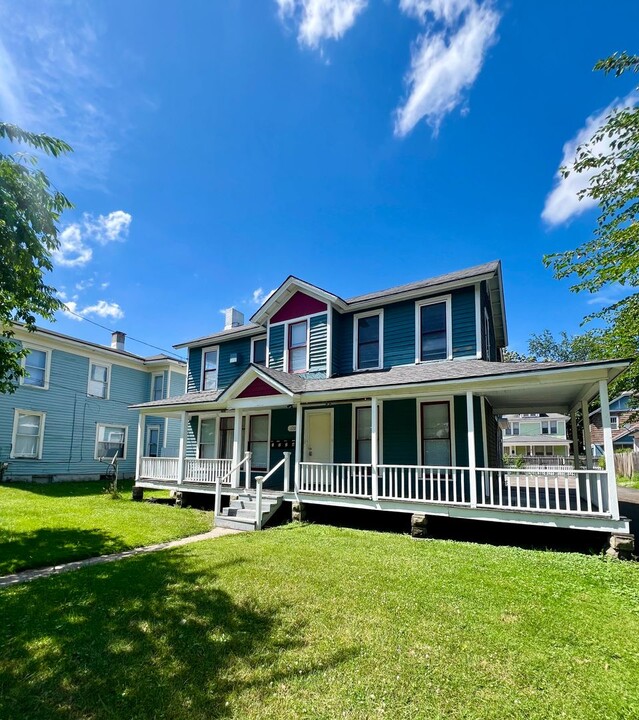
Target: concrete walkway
x=27, y=575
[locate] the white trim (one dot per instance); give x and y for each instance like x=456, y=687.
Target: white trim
x=108, y=366
x=287, y=324
x=252, y=355
x=206, y=416
x=450, y=399
x=484, y=430
x=478, y=342
x=153, y=376
x=447, y=299
x=329, y=342
x=123, y=426
x=331, y=412
x=380, y=432
x=42, y=415
x=152, y=426
x=209, y=348
x=287, y=290
x=380, y=340
x=247, y=434
x=47, y=365
x=298, y=319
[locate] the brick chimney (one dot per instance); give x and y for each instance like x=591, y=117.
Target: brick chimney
x=117, y=340
x=233, y=318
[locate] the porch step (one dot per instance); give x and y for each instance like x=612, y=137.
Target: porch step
x=240, y=514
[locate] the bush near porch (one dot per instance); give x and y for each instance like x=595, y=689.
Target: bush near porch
x=47, y=524
x=320, y=622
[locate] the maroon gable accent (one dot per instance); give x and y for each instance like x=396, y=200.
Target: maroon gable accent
x=258, y=388
x=299, y=305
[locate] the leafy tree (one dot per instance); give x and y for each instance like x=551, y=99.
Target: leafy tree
x=612, y=254
x=29, y=210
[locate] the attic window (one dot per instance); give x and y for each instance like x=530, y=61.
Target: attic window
x=258, y=352
x=298, y=347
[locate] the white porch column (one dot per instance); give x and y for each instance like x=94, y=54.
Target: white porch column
x=575, y=440
x=472, y=458
x=140, y=445
x=374, y=445
x=237, y=446
x=587, y=439
x=181, y=448
x=298, y=445
x=609, y=453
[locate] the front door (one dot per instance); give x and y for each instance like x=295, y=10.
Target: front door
x=153, y=441
x=318, y=436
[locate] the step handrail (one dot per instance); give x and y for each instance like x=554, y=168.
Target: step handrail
x=246, y=460
x=261, y=479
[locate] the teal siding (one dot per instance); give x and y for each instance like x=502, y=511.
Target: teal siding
x=461, y=431
x=194, y=370
x=72, y=416
x=464, y=326
x=342, y=343
x=342, y=429
x=228, y=372
x=318, y=345
x=399, y=334
x=276, y=347
x=400, y=432
x=485, y=303
x=191, y=436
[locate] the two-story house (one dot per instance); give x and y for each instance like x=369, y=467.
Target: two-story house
x=623, y=422
x=536, y=438
x=71, y=410
x=387, y=401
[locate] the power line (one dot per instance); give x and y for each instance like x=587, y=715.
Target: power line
x=142, y=342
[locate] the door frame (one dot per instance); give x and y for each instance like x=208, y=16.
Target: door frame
x=149, y=428
x=316, y=411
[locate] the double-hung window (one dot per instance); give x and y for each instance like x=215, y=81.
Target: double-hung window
x=363, y=427
x=548, y=427
x=227, y=425
x=436, y=436
x=28, y=433
x=434, y=340
x=513, y=428
x=210, y=358
x=258, y=441
x=36, y=368
x=298, y=347
x=258, y=352
x=614, y=422
x=98, y=380
x=368, y=344
x=157, y=387
x=207, y=444
x=111, y=441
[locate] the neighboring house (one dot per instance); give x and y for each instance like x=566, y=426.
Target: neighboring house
x=72, y=408
x=387, y=401
x=536, y=435
x=622, y=422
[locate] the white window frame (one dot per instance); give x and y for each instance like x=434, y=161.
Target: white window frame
x=380, y=422
x=259, y=339
x=548, y=425
x=205, y=350
x=247, y=436
x=380, y=357
x=447, y=299
x=287, y=325
x=47, y=367
x=43, y=416
x=153, y=376
x=114, y=425
x=207, y=416
x=614, y=422
x=161, y=443
x=489, y=346
x=96, y=363
x=451, y=417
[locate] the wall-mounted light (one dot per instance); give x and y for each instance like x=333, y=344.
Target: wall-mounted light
x=233, y=358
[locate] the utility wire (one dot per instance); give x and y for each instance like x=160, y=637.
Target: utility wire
x=142, y=342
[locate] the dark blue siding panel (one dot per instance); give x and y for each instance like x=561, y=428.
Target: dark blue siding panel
x=342, y=343
x=464, y=330
x=399, y=334
x=318, y=345
x=195, y=370
x=276, y=347
x=400, y=432
x=228, y=372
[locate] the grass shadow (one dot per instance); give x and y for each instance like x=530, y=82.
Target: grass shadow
x=149, y=637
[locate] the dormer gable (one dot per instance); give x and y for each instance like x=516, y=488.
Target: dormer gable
x=302, y=294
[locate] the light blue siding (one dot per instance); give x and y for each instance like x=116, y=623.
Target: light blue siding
x=276, y=347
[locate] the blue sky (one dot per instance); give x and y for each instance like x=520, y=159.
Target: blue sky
x=358, y=144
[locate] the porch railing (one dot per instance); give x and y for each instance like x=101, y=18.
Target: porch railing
x=206, y=470
x=159, y=468
x=424, y=483
x=347, y=479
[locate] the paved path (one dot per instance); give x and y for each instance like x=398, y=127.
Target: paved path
x=27, y=575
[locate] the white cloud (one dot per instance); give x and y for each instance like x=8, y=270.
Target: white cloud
x=104, y=309
x=104, y=285
x=84, y=284
x=109, y=228
x=612, y=294
x=445, y=61
x=320, y=19
x=71, y=310
x=563, y=203
x=260, y=297
x=72, y=251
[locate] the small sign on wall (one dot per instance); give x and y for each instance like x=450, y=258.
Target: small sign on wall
x=292, y=428
x=282, y=444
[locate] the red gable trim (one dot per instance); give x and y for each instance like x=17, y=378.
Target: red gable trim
x=299, y=305
x=258, y=388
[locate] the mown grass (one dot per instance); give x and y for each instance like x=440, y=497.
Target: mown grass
x=629, y=482
x=48, y=524
x=319, y=622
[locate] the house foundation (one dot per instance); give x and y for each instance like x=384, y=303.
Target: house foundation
x=621, y=546
x=419, y=526
x=298, y=511
x=137, y=494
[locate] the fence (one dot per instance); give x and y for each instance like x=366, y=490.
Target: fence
x=626, y=464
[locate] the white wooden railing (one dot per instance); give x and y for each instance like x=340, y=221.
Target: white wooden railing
x=424, y=483
x=159, y=468
x=206, y=470
x=557, y=490
x=261, y=479
x=228, y=479
x=345, y=479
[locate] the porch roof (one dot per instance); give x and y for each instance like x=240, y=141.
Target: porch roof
x=510, y=387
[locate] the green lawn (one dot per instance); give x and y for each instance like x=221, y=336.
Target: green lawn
x=319, y=622
x=47, y=524
x=632, y=482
